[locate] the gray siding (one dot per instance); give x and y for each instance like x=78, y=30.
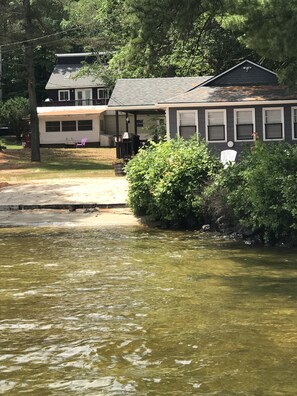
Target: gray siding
x=241, y=76
x=230, y=123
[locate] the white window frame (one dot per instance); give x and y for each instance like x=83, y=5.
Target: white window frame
x=235, y=124
x=59, y=95
x=106, y=93
x=292, y=111
x=206, y=125
x=178, y=117
x=282, y=122
x=83, y=100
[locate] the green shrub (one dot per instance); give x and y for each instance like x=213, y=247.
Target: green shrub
x=13, y=113
x=166, y=181
x=261, y=190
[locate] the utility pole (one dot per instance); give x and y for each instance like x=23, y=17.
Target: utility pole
x=29, y=60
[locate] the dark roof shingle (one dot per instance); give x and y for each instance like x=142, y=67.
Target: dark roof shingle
x=64, y=77
x=150, y=91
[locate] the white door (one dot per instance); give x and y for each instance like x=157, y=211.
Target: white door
x=83, y=97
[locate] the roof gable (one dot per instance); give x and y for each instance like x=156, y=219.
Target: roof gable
x=245, y=73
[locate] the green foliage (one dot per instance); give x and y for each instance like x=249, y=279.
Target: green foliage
x=269, y=28
x=166, y=181
x=156, y=38
x=46, y=18
x=261, y=190
x=13, y=113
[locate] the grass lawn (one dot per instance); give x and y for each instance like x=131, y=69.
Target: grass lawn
x=16, y=165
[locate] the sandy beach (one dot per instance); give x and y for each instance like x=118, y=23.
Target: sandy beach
x=88, y=202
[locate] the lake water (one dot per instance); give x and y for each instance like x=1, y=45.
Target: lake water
x=140, y=312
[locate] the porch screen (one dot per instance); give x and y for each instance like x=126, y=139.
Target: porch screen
x=84, y=125
x=187, y=124
x=52, y=126
x=244, y=125
x=68, y=126
x=273, y=124
x=216, y=125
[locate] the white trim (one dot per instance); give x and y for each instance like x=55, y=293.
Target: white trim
x=232, y=68
x=282, y=121
x=206, y=125
x=105, y=90
x=220, y=104
x=235, y=124
x=63, y=90
x=77, y=111
x=167, y=124
x=139, y=107
x=74, y=54
x=179, y=112
x=292, y=115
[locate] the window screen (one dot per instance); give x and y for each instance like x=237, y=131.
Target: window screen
x=68, y=126
x=216, y=125
x=187, y=124
x=84, y=125
x=216, y=132
x=273, y=124
x=52, y=126
x=244, y=125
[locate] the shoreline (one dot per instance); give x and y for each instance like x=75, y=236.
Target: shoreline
x=66, y=218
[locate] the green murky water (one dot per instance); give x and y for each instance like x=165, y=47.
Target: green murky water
x=132, y=312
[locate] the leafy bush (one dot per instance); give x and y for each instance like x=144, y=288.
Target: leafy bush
x=166, y=181
x=12, y=114
x=261, y=190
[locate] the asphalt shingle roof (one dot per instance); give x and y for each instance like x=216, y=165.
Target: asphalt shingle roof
x=149, y=91
x=206, y=94
x=64, y=77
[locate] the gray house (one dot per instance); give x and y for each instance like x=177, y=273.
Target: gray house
x=234, y=108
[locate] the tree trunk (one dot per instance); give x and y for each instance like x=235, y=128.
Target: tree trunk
x=29, y=60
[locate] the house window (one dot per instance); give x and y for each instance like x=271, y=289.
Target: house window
x=84, y=125
x=83, y=97
x=294, y=123
x=64, y=95
x=216, y=125
x=52, y=126
x=103, y=95
x=187, y=123
x=244, y=124
x=68, y=126
x=273, y=119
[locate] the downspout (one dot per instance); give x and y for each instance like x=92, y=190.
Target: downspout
x=167, y=123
